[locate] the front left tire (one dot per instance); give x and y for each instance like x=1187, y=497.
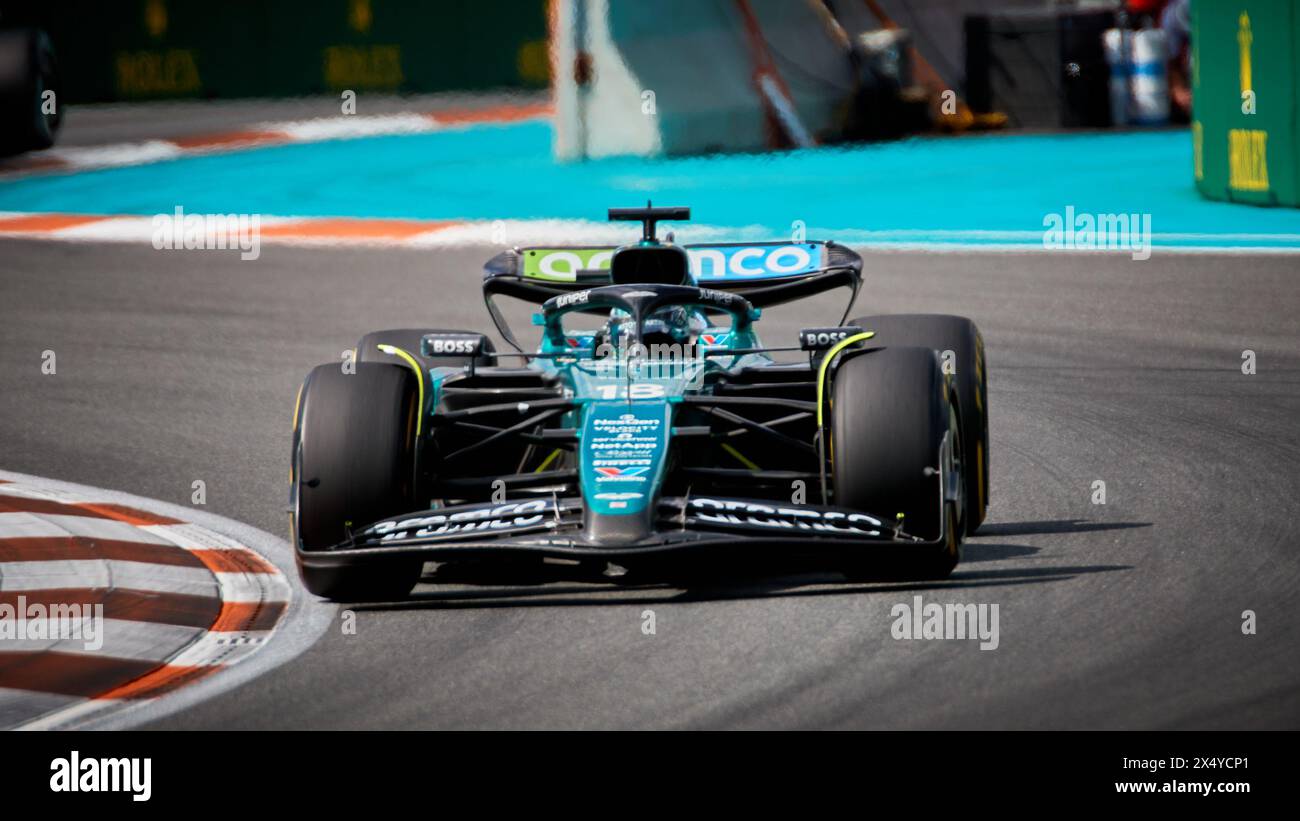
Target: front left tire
x=960, y=336
x=894, y=431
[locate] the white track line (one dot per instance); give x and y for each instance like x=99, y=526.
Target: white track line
x=547, y=232
x=266, y=134
x=106, y=573
x=48, y=525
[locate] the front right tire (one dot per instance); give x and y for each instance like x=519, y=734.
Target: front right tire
x=353, y=464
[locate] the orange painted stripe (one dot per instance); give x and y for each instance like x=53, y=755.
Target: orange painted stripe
x=344, y=228
x=159, y=681
x=23, y=504
x=495, y=114
x=235, y=560
x=81, y=548
x=130, y=515
x=45, y=222
x=98, y=677
x=71, y=674
x=34, y=163
x=230, y=138
x=121, y=513
x=237, y=617
x=149, y=606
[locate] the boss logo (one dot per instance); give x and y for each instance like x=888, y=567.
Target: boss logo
x=435, y=345
x=820, y=339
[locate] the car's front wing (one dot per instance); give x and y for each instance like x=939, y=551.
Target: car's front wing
x=687, y=529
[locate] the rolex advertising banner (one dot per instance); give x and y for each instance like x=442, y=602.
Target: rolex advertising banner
x=167, y=49
x=1245, y=83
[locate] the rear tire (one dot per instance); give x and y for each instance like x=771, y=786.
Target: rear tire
x=27, y=71
x=353, y=443
x=890, y=414
x=959, y=335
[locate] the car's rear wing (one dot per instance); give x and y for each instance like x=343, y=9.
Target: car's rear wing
x=765, y=273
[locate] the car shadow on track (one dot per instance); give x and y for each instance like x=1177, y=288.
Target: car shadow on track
x=976, y=551
x=1052, y=526
x=804, y=585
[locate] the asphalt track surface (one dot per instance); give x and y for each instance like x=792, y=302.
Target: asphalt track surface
x=176, y=366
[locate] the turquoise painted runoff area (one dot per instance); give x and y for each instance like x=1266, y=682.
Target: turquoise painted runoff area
x=928, y=191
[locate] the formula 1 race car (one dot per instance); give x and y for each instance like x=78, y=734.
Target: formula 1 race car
x=650, y=435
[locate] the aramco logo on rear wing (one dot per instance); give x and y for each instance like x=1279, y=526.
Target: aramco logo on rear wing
x=719, y=263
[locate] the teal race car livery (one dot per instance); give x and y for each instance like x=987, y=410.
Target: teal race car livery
x=649, y=435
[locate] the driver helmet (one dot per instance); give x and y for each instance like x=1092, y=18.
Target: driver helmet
x=671, y=325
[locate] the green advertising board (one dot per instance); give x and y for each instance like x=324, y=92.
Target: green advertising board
x=1246, y=105
x=158, y=49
